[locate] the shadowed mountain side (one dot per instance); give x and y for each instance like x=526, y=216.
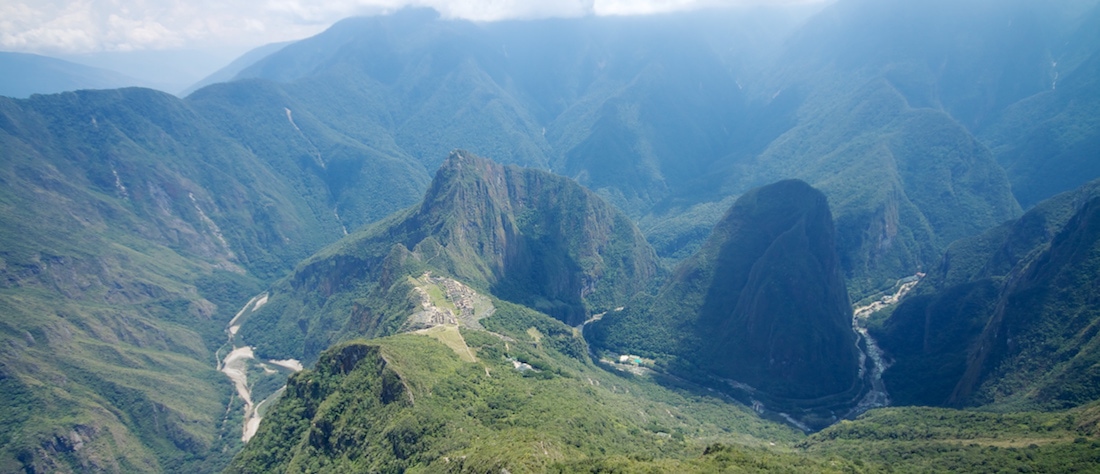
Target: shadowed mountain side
x=1008, y=317
x=777, y=302
x=762, y=303
x=1048, y=142
x=1041, y=343
x=522, y=235
x=899, y=179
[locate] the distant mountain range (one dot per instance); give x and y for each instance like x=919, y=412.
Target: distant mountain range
x=26, y=74
x=674, y=211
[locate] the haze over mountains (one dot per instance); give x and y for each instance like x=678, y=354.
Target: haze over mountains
x=718, y=186
x=27, y=74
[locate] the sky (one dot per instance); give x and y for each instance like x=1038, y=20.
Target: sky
x=62, y=27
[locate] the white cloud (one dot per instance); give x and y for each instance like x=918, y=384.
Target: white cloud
x=510, y=9
x=78, y=26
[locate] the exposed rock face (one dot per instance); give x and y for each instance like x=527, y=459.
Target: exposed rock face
x=535, y=238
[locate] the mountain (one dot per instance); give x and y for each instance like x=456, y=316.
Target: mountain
x=140, y=231
x=1006, y=317
x=132, y=231
x=1034, y=139
x=903, y=182
x=234, y=68
x=339, y=157
x=661, y=115
x=168, y=70
x=26, y=74
x=763, y=303
x=522, y=235
x=518, y=404
x=410, y=403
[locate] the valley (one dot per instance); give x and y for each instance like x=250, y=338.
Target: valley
x=240, y=361
x=872, y=357
x=854, y=236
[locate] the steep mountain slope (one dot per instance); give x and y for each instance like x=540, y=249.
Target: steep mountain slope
x=131, y=231
x=1047, y=142
x=970, y=59
x=762, y=303
x=998, y=69
x=1006, y=318
x=433, y=85
x=234, y=68
x=26, y=74
x=133, y=224
x=903, y=182
x=662, y=114
x=409, y=402
x=893, y=93
x=523, y=235
x=349, y=178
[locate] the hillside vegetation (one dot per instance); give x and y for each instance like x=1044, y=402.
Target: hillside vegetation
x=1007, y=318
x=522, y=235
x=134, y=225
x=760, y=309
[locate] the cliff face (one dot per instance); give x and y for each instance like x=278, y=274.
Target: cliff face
x=1041, y=336
x=1008, y=316
x=533, y=237
x=762, y=303
x=522, y=235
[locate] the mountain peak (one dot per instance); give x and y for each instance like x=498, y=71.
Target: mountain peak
x=762, y=304
x=522, y=235
x=777, y=304
x=536, y=237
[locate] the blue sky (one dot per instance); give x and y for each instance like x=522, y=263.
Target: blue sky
x=85, y=26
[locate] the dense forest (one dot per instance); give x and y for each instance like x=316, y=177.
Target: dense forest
x=857, y=236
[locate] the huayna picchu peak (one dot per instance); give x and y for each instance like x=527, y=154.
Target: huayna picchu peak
x=762, y=307
x=522, y=235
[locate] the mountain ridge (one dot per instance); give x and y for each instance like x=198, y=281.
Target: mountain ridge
x=999, y=307
x=761, y=309
x=522, y=235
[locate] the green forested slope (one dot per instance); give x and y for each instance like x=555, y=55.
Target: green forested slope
x=662, y=115
x=523, y=235
x=133, y=224
x=1007, y=318
x=903, y=182
x=917, y=439
x=763, y=303
x=132, y=229
x=409, y=403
